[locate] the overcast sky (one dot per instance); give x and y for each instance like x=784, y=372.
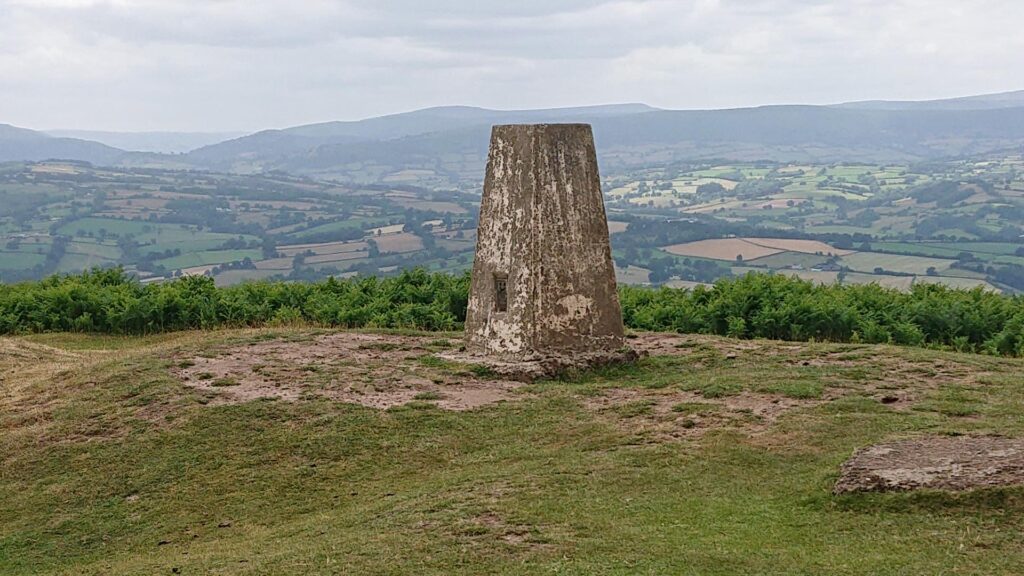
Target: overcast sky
x=213, y=65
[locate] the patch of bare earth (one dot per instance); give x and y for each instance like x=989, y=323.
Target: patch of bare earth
x=374, y=370
x=677, y=414
x=945, y=463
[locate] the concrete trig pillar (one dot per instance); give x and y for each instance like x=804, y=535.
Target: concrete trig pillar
x=543, y=282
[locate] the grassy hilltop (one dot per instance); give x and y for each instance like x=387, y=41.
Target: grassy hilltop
x=295, y=450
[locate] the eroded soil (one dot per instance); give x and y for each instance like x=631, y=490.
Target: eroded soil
x=670, y=414
x=385, y=370
x=374, y=370
x=944, y=462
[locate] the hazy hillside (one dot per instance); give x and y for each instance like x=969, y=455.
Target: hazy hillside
x=983, y=102
x=160, y=142
x=21, y=144
x=447, y=147
x=272, y=147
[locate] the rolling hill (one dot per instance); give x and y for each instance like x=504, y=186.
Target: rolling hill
x=21, y=144
x=157, y=142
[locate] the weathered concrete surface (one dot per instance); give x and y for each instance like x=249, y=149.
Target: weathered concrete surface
x=543, y=228
x=942, y=463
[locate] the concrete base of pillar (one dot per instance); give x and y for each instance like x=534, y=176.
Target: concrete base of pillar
x=531, y=368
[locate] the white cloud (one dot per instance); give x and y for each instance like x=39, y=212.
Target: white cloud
x=248, y=64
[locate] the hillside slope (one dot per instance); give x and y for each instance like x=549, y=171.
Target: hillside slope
x=21, y=144
x=156, y=142
x=169, y=454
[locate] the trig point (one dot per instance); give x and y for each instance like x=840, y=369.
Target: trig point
x=543, y=285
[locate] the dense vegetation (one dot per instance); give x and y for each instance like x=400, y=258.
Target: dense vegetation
x=752, y=306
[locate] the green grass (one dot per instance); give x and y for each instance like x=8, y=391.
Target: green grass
x=20, y=260
x=116, y=468
x=90, y=247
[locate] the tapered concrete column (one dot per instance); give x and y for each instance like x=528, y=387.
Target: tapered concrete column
x=543, y=281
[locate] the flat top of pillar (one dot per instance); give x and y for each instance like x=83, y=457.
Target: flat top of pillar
x=567, y=126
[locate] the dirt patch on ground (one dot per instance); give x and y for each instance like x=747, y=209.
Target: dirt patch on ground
x=945, y=463
x=681, y=414
x=375, y=370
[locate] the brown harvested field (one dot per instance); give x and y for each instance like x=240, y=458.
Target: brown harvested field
x=274, y=264
x=392, y=229
x=805, y=246
x=337, y=257
x=404, y=242
x=197, y=270
x=323, y=248
x=722, y=249
x=614, y=226
x=137, y=203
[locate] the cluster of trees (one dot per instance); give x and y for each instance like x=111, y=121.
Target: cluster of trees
x=753, y=306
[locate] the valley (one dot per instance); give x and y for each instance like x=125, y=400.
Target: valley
x=955, y=222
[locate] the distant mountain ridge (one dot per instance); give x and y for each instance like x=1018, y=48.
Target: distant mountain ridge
x=394, y=126
x=447, y=146
x=1013, y=99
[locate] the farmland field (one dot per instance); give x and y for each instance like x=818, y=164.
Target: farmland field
x=19, y=260
x=404, y=242
x=869, y=261
x=723, y=249
x=205, y=257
